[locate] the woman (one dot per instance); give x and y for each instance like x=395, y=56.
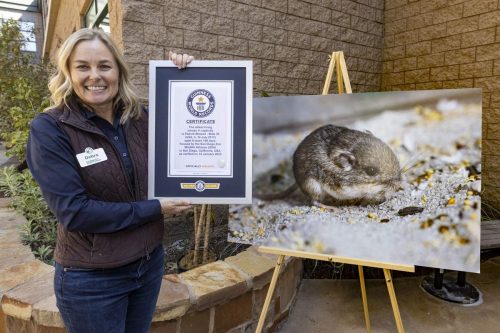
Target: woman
x=88, y=153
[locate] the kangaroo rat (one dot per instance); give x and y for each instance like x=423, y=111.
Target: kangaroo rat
x=336, y=165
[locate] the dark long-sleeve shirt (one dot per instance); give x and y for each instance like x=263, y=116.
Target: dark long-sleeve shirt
x=54, y=166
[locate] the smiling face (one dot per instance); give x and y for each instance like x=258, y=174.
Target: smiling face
x=94, y=75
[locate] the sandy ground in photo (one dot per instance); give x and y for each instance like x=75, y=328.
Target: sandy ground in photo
x=439, y=149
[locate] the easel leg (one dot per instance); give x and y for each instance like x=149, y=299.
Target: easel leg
x=365, y=300
x=394, y=302
x=270, y=292
x=340, y=81
x=329, y=74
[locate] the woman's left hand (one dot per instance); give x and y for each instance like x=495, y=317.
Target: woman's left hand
x=180, y=60
x=173, y=207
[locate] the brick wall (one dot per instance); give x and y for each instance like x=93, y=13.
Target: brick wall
x=433, y=44
x=288, y=40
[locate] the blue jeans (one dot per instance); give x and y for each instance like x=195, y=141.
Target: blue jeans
x=115, y=300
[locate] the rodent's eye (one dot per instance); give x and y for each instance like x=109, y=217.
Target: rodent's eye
x=371, y=171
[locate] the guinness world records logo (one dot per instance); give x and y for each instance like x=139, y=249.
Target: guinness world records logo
x=200, y=103
x=199, y=186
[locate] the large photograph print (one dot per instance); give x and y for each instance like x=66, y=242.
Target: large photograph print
x=391, y=177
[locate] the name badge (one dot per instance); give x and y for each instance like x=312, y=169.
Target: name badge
x=91, y=156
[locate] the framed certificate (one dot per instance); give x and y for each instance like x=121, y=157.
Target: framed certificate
x=200, y=132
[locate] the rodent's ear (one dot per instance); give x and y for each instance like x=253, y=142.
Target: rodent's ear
x=344, y=160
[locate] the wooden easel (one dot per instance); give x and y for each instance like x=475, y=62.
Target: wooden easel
x=337, y=62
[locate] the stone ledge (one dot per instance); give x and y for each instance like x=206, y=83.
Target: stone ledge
x=213, y=283
x=257, y=267
x=46, y=313
x=173, y=300
x=22, y=273
x=19, y=301
x=28, y=300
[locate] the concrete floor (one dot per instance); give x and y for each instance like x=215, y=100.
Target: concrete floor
x=335, y=306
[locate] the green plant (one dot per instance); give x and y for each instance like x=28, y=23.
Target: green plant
x=39, y=232
x=23, y=89
x=23, y=94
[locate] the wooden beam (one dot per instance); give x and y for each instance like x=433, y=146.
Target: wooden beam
x=48, y=38
x=333, y=258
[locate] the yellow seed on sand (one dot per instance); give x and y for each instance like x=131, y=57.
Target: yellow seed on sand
x=443, y=229
x=319, y=246
x=463, y=241
x=426, y=224
x=451, y=201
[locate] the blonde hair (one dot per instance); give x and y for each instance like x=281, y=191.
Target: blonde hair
x=60, y=85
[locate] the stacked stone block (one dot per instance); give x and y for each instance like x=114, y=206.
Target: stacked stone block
x=289, y=41
x=434, y=44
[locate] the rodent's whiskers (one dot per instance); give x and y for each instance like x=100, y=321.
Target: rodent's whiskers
x=413, y=162
x=360, y=200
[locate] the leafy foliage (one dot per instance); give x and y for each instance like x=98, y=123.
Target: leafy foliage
x=23, y=88
x=39, y=232
x=23, y=94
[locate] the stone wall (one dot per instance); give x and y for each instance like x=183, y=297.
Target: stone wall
x=289, y=41
x=433, y=44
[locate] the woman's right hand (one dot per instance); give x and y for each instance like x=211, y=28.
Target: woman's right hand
x=180, y=60
x=169, y=207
